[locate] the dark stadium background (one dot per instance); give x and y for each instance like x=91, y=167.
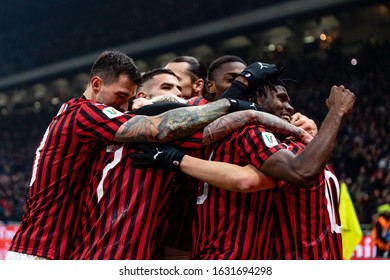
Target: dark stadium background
x=47, y=48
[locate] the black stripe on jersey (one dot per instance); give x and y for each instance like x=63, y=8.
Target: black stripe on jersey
x=226, y=220
x=196, y=101
x=253, y=148
x=309, y=220
x=216, y=209
x=299, y=223
x=203, y=238
x=91, y=128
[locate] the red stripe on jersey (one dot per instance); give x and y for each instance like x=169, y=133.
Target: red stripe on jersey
x=51, y=219
x=307, y=220
x=233, y=225
x=197, y=101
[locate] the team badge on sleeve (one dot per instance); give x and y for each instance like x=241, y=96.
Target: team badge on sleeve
x=269, y=139
x=111, y=112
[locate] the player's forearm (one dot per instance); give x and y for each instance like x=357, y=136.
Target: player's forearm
x=173, y=124
x=229, y=123
x=311, y=162
x=226, y=125
x=225, y=175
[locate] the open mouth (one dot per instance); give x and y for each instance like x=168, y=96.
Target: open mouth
x=286, y=117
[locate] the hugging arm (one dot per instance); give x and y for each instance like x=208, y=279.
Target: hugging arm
x=220, y=174
x=227, y=176
x=176, y=123
x=229, y=123
x=172, y=124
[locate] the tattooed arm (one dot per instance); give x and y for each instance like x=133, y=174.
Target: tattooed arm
x=172, y=124
x=229, y=123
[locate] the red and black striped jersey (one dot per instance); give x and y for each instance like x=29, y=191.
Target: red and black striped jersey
x=181, y=208
x=234, y=225
x=51, y=219
x=124, y=210
x=197, y=101
x=182, y=204
x=307, y=221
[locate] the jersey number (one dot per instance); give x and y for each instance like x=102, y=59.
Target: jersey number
x=108, y=167
x=329, y=176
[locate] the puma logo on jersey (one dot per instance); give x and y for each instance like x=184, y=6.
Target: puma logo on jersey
x=156, y=155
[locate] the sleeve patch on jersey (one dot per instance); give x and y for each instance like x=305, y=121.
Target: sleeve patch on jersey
x=269, y=139
x=111, y=112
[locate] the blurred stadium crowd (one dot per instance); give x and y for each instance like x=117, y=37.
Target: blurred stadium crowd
x=362, y=155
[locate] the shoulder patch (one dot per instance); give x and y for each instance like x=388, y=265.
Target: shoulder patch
x=269, y=139
x=111, y=112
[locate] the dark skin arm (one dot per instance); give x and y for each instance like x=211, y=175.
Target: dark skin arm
x=229, y=123
x=305, y=168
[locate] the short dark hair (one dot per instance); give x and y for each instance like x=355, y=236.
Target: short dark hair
x=110, y=65
x=217, y=64
x=196, y=68
x=150, y=74
x=272, y=83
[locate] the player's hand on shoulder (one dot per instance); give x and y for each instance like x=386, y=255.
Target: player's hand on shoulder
x=140, y=102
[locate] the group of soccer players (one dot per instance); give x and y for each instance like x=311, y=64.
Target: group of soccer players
x=229, y=182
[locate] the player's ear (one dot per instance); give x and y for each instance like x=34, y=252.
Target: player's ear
x=198, y=86
x=210, y=86
x=141, y=94
x=96, y=83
